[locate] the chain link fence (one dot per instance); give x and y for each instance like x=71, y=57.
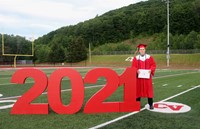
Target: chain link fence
x=108, y=61
x=188, y=51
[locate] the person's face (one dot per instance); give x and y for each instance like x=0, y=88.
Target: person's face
x=142, y=51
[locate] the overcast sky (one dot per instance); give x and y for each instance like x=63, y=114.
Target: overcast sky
x=38, y=17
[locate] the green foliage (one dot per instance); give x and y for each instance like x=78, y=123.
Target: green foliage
x=159, y=42
x=15, y=45
x=197, y=45
x=189, y=41
x=57, y=53
x=41, y=53
x=146, y=18
x=76, y=50
x=113, y=47
x=184, y=16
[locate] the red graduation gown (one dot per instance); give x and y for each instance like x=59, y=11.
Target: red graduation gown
x=144, y=86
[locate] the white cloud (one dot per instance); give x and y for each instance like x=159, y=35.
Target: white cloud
x=43, y=16
x=7, y=20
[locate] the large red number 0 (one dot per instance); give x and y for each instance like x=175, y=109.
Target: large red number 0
x=128, y=79
x=54, y=91
x=96, y=104
x=23, y=104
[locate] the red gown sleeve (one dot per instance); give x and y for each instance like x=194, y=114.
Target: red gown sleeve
x=152, y=66
x=134, y=63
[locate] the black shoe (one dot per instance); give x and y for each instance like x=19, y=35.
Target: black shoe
x=151, y=107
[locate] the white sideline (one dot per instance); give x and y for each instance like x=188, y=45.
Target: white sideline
x=132, y=113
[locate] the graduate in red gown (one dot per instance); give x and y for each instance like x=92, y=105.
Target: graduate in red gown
x=144, y=85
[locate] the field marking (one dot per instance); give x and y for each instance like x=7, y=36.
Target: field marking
x=164, y=84
x=176, y=74
x=130, y=114
x=88, y=87
x=179, y=85
x=119, y=68
x=85, y=87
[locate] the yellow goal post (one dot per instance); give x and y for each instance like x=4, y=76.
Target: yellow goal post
x=16, y=55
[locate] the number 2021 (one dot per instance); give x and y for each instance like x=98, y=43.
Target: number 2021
x=95, y=104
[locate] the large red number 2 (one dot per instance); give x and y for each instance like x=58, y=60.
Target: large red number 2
x=23, y=104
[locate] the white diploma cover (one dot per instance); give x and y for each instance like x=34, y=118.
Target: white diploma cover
x=144, y=73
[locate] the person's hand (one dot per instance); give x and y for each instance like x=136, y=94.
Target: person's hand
x=150, y=71
x=136, y=52
x=138, y=71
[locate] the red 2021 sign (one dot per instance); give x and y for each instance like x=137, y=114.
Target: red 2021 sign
x=95, y=104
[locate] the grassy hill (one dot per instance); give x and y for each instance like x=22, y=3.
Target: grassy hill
x=178, y=61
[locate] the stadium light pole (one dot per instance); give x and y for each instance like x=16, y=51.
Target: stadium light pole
x=90, y=55
x=168, y=56
x=168, y=45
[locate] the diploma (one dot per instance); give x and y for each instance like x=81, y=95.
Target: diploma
x=144, y=73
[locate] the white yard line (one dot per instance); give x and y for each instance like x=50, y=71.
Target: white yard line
x=164, y=84
x=176, y=74
x=179, y=85
x=132, y=113
x=180, y=93
x=14, y=97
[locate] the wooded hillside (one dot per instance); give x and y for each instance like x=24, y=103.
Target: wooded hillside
x=143, y=19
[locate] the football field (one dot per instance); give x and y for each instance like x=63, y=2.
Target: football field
x=166, y=82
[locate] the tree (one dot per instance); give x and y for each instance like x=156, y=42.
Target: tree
x=143, y=18
x=76, y=50
x=57, y=54
x=42, y=53
x=197, y=44
x=191, y=40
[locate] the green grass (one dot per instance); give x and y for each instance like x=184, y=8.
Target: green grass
x=152, y=120
x=176, y=60
x=142, y=120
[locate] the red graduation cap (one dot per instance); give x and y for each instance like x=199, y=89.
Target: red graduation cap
x=142, y=46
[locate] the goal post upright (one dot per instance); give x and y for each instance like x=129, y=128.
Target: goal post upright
x=2, y=46
x=16, y=55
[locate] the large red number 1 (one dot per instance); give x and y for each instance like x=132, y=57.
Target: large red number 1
x=128, y=79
